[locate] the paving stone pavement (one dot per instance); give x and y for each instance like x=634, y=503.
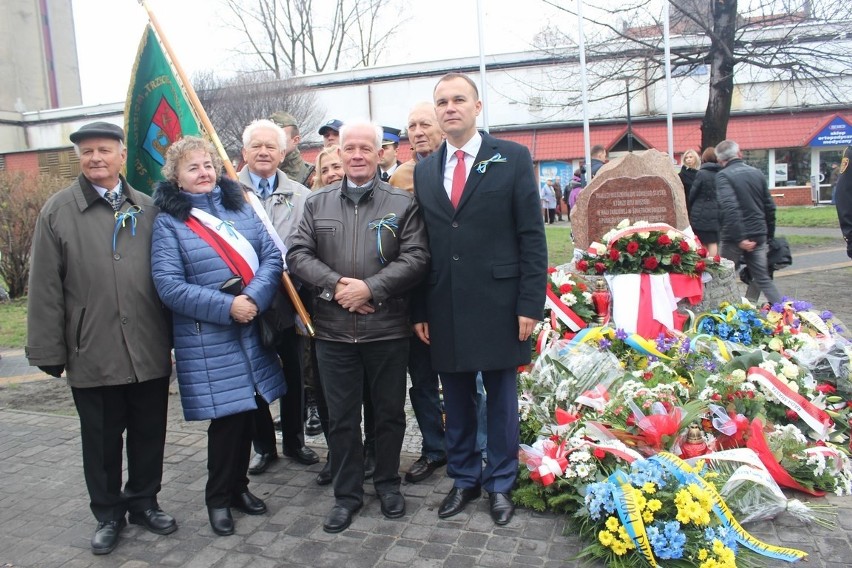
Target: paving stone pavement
x=45, y=519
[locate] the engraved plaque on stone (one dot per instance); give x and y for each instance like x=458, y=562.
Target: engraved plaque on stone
x=641, y=187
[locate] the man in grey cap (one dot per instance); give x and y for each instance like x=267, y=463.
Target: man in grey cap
x=293, y=165
x=94, y=314
x=330, y=132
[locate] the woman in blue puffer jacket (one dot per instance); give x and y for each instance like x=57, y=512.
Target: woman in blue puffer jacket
x=221, y=363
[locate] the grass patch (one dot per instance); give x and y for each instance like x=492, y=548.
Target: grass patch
x=13, y=323
x=805, y=216
x=812, y=241
x=560, y=249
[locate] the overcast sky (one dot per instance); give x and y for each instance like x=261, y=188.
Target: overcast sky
x=108, y=34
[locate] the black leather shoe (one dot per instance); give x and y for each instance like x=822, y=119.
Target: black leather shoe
x=303, y=455
x=324, y=476
x=338, y=519
x=502, y=508
x=455, y=501
x=221, y=520
x=106, y=536
x=393, y=504
x=248, y=503
x=260, y=462
x=369, y=462
x=423, y=468
x=155, y=520
x=313, y=425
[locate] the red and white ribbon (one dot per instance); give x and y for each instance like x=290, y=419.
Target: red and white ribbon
x=814, y=417
x=229, y=235
x=564, y=313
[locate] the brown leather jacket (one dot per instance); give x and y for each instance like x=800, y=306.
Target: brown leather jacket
x=380, y=240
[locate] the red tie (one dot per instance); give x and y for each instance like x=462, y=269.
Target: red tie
x=459, y=177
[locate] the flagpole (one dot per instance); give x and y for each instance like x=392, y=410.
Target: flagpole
x=229, y=167
x=190, y=92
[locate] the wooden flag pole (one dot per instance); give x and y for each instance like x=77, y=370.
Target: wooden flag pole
x=229, y=167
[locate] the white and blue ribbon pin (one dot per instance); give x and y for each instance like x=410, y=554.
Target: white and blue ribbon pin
x=495, y=159
x=387, y=222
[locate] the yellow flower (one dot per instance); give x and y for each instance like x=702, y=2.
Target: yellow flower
x=702, y=554
x=648, y=516
x=619, y=548
x=612, y=523
x=606, y=538
x=649, y=487
x=655, y=505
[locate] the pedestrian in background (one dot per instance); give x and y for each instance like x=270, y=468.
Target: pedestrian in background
x=747, y=213
x=702, y=204
x=690, y=162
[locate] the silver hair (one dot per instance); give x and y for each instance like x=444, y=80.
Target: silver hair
x=727, y=150
x=349, y=126
x=264, y=123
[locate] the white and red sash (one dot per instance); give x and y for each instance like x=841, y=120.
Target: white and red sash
x=228, y=243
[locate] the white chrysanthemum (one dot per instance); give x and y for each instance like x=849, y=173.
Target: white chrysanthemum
x=587, y=296
x=644, y=234
x=600, y=249
x=739, y=375
x=623, y=224
x=769, y=366
x=568, y=299
x=583, y=470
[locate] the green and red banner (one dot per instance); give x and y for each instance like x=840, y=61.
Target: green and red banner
x=156, y=114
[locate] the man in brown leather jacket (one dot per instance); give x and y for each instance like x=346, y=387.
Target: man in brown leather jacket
x=362, y=245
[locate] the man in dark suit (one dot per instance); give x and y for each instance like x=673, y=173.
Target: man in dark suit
x=485, y=292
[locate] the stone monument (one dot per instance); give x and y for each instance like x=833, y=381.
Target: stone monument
x=641, y=186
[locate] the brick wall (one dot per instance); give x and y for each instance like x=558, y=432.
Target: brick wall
x=22, y=162
x=794, y=195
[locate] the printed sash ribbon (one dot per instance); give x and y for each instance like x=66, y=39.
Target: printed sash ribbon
x=228, y=243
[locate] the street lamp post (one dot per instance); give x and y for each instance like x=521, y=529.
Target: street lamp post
x=629, y=119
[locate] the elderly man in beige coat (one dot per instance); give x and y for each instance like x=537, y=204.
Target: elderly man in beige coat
x=94, y=314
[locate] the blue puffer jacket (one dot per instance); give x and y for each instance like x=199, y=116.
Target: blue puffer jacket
x=220, y=364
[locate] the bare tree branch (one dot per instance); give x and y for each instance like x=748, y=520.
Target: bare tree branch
x=786, y=42
x=299, y=36
x=234, y=102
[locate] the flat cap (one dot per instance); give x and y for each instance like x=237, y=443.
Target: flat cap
x=98, y=129
x=333, y=124
x=390, y=135
x=283, y=119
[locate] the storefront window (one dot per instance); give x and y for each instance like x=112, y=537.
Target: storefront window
x=758, y=159
x=792, y=166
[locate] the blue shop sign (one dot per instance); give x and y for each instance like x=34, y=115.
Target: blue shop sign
x=838, y=132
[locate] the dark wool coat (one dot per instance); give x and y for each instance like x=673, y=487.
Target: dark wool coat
x=701, y=201
x=220, y=363
x=489, y=259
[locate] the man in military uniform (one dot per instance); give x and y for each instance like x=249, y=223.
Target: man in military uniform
x=843, y=199
x=293, y=165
